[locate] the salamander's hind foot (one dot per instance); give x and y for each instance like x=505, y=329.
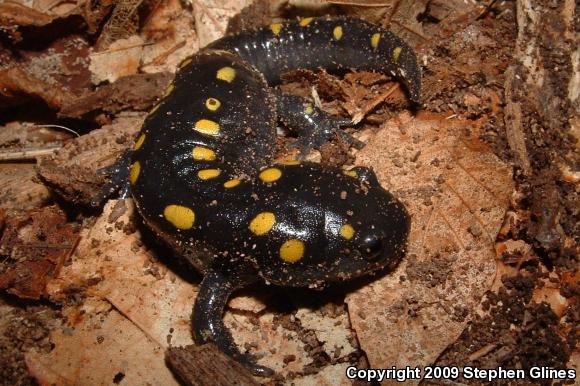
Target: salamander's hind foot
x=207, y=321
x=322, y=133
x=313, y=126
x=249, y=361
x=118, y=182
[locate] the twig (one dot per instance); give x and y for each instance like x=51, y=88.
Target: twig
x=482, y=352
x=27, y=154
x=374, y=103
x=486, y=10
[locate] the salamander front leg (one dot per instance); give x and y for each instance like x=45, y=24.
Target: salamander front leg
x=118, y=182
x=207, y=318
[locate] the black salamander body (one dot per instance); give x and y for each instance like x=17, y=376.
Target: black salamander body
x=202, y=178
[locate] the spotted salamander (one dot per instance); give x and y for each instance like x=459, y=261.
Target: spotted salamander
x=202, y=177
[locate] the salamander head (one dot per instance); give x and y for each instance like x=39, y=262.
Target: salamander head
x=335, y=227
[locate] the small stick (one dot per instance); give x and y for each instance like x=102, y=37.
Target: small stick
x=27, y=154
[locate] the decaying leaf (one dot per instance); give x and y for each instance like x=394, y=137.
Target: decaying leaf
x=36, y=245
x=121, y=58
x=122, y=23
x=457, y=192
x=124, y=274
x=14, y=14
x=211, y=18
x=170, y=27
x=18, y=86
x=100, y=349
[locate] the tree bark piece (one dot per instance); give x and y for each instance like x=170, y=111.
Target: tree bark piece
x=207, y=366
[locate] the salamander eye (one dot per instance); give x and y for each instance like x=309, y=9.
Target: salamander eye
x=371, y=247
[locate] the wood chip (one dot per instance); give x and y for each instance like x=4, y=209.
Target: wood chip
x=207, y=366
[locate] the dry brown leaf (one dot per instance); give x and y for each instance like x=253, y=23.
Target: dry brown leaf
x=456, y=191
x=443, y=9
x=212, y=16
x=170, y=28
x=274, y=343
x=100, y=349
x=405, y=23
x=14, y=14
x=122, y=23
x=55, y=7
x=333, y=375
x=121, y=58
x=550, y=292
x=142, y=290
x=18, y=86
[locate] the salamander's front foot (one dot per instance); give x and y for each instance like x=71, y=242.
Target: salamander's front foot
x=118, y=180
x=207, y=318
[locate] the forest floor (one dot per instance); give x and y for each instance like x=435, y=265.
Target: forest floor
x=487, y=166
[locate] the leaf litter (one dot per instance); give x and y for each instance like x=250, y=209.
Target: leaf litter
x=456, y=189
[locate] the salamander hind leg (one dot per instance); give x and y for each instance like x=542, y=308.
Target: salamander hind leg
x=207, y=317
x=313, y=126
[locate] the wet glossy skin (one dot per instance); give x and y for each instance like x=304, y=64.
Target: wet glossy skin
x=201, y=172
x=332, y=43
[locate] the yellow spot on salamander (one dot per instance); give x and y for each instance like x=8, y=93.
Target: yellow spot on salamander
x=347, y=231
x=270, y=174
x=304, y=22
x=212, y=104
x=139, y=142
x=375, y=40
x=308, y=109
x=397, y=53
x=205, y=126
x=185, y=63
x=337, y=32
x=169, y=90
x=203, y=154
x=227, y=74
x=180, y=216
x=232, y=183
x=276, y=28
x=292, y=251
x=208, y=174
x=350, y=173
x=262, y=223
x=134, y=172
x=292, y=162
